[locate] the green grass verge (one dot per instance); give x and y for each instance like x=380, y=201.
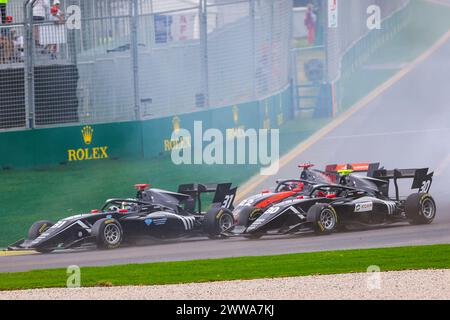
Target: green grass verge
x=303, y=264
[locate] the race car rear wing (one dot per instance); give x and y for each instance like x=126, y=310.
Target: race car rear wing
x=334, y=170
x=224, y=195
x=421, y=178
x=354, y=167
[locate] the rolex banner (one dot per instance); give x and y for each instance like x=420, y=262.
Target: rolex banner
x=136, y=139
x=76, y=144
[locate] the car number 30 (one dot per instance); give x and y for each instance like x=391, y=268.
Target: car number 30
x=425, y=186
x=273, y=210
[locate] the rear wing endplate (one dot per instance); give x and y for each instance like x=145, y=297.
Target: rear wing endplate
x=224, y=195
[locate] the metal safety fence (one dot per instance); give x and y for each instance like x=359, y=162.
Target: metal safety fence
x=97, y=61
x=350, y=29
x=342, y=43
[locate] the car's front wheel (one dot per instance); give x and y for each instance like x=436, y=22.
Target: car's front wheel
x=36, y=230
x=247, y=215
x=108, y=233
x=323, y=218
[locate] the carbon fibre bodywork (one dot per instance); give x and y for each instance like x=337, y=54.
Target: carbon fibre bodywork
x=153, y=213
x=358, y=200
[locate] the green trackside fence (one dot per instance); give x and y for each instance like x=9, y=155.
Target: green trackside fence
x=134, y=139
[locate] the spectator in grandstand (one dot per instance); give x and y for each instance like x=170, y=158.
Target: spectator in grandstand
x=3, y=4
x=57, y=16
x=8, y=20
x=18, y=46
x=6, y=42
x=11, y=44
x=41, y=9
x=310, y=23
x=18, y=42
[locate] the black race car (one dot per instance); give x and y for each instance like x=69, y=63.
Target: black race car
x=355, y=200
x=287, y=189
x=154, y=213
x=251, y=207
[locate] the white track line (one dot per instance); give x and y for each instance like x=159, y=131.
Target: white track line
x=440, y=2
x=380, y=134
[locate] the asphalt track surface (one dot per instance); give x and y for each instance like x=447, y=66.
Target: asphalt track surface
x=407, y=126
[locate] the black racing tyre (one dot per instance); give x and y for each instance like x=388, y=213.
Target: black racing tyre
x=323, y=218
x=37, y=229
x=216, y=221
x=420, y=208
x=108, y=233
x=248, y=215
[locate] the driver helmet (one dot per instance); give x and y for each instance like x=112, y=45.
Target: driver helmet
x=321, y=194
x=300, y=187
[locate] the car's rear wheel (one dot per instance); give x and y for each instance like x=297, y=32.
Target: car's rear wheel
x=323, y=218
x=108, y=233
x=217, y=220
x=36, y=230
x=420, y=208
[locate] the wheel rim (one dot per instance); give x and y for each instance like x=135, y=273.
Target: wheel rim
x=327, y=219
x=112, y=234
x=225, y=222
x=428, y=208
